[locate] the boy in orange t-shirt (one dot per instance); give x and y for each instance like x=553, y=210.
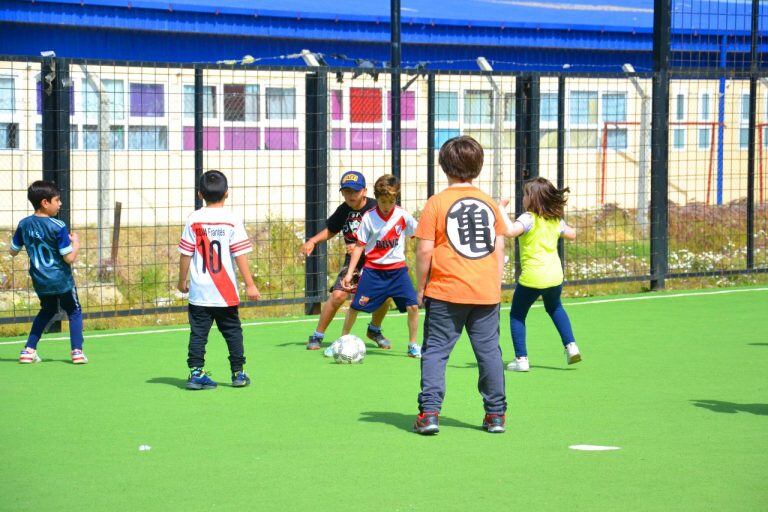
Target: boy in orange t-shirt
x=459, y=265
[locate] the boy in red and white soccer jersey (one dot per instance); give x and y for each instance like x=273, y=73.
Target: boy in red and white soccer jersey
x=381, y=236
x=212, y=239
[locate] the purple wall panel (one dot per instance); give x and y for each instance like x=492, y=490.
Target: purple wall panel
x=241, y=138
x=281, y=138
x=210, y=138
x=407, y=105
x=338, y=138
x=408, y=138
x=365, y=138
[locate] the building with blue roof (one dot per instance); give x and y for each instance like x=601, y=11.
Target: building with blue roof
x=450, y=34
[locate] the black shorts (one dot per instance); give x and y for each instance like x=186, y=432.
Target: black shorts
x=343, y=274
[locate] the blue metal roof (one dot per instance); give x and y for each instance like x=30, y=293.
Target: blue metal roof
x=513, y=33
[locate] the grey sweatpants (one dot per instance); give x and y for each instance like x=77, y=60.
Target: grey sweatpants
x=443, y=325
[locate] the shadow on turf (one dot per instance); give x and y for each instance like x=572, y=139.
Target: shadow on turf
x=758, y=344
x=170, y=381
x=732, y=407
x=474, y=365
x=405, y=421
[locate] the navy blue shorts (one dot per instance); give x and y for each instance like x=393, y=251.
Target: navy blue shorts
x=376, y=286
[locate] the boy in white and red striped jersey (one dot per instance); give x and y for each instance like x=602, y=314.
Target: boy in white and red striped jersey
x=381, y=236
x=212, y=239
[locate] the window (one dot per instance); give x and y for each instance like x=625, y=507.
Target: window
x=90, y=137
x=745, y=108
x=446, y=106
x=365, y=106
x=680, y=107
x=583, y=108
x=443, y=134
x=478, y=107
x=583, y=138
x=9, y=136
x=705, y=135
x=150, y=138
x=40, y=99
x=281, y=103
x=548, y=139
x=617, y=139
x=147, y=100
x=743, y=138
x=509, y=107
x=72, y=136
x=678, y=138
x=484, y=137
x=548, y=108
x=615, y=107
x=615, y=110
x=115, y=138
x=7, y=95
x=241, y=102
x=209, y=101
x=704, y=112
x=583, y=114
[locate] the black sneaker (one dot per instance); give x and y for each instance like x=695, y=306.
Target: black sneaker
x=240, y=379
x=379, y=339
x=494, y=423
x=314, y=343
x=427, y=423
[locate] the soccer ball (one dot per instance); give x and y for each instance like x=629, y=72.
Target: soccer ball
x=349, y=349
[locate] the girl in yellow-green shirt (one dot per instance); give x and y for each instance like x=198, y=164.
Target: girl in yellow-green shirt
x=539, y=230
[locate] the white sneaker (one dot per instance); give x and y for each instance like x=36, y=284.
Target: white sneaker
x=29, y=356
x=572, y=354
x=78, y=357
x=519, y=364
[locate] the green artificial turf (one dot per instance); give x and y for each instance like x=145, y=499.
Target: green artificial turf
x=678, y=383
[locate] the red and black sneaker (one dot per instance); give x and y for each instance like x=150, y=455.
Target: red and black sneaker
x=427, y=423
x=494, y=423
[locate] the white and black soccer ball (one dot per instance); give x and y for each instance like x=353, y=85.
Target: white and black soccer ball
x=349, y=349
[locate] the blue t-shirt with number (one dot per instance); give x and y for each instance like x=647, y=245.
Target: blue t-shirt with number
x=46, y=240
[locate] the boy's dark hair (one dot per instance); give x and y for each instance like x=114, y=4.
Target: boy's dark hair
x=40, y=190
x=461, y=158
x=387, y=185
x=213, y=185
x=544, y=199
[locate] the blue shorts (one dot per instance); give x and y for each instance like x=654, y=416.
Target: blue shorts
x=376, y=286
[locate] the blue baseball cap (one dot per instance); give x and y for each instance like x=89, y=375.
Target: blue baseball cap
x=353, y=180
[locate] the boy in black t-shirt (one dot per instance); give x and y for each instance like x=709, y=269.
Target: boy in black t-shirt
x=346, y=220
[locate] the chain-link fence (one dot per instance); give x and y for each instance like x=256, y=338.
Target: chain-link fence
x=125, y=142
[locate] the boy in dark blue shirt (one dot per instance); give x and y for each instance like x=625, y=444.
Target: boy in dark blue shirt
x=51, y=250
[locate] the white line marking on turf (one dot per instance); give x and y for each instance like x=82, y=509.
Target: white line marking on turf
x=593, y=448
x=314, y=320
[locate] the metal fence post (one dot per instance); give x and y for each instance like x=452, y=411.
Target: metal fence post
x=56, y=86
x=753, y=61
x=198, y=133
x=527, y=105
x=430, y=135
x=561, y=151
x=316, y=188
x=660, y=144
x=395, y=94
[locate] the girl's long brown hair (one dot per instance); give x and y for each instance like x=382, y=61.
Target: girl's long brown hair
x=544, y=199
